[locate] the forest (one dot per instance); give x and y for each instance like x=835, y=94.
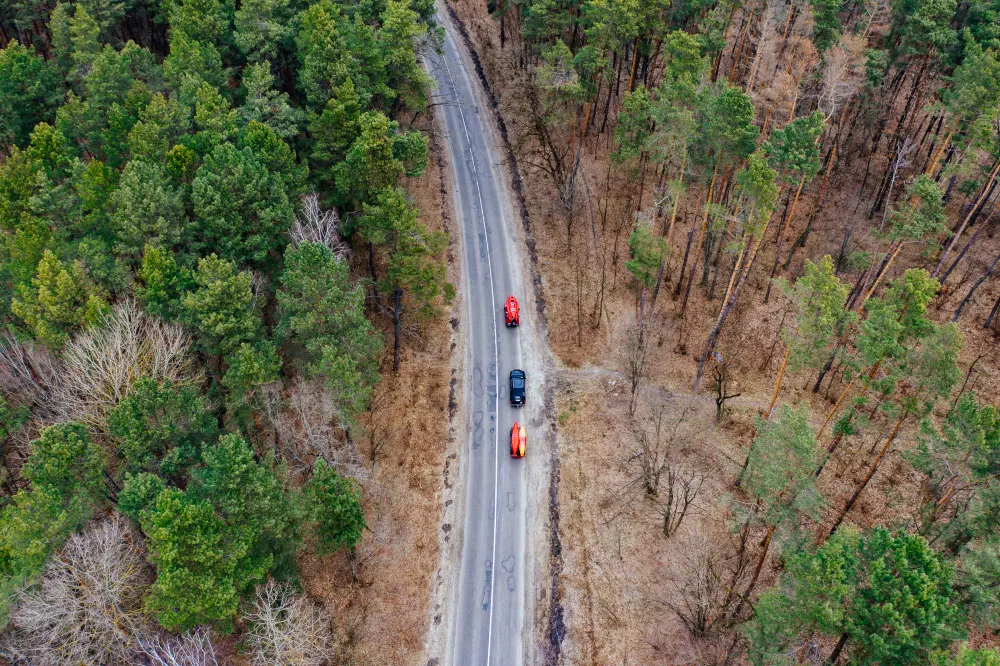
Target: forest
x=208, y=262
x=767, y=255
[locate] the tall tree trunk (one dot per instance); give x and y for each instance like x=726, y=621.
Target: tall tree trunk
x=687, y=252
x=652, y=64
x=979, y=282
x=835, y=655
x=397, y=311
x=588, y=116
x=836, y=406
x=881, y=274
x=727, y=306
x=939, y=150
x=871, y=472
x=635, y=62
x=612, y=92
x=840, y=435
x=792, y=14
x=975, y=207
x=777, y=251
x=701, y=235
x=987, y=224
x=677, y=197
x=371, y=269
x=993, y=314
x=961, y=255
x=777, y=383
x=761, y=559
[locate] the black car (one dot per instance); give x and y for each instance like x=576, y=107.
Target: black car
x=517, y=383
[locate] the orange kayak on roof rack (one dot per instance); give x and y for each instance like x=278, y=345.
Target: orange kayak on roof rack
x=518, y=441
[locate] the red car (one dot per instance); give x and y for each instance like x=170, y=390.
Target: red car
x=518, y=441
x=511, y=312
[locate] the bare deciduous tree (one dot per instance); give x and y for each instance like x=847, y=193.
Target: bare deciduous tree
x=634, y=354
x=287, y=629
x=704, y=590
x=720, y=377
x=302, y=417
x=27, y=371
x=843, y=72
x=682, y=487
x=654, y=448
x=28, y=377
x=100, y=365
x=192, y=649
x=87, y=608
x=315, y=225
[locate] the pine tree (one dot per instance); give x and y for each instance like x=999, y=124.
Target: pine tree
x=162, y=282
x=161, y=124
x=377, y=159
x=634, y=126
x=400, y=28
x=266, y=105
x=958, y=456
x=251, y=499
x=244, y=209
x=195, y=560
x=886, y=597
x=161, y=428
x=190, y=64
x=778, y=475
x=649, y=252
x=322, y=313
x=333, y=507
x=413, y=255
x=30, y=92
x=263, y=29
x=826, y=23
x=65, y=460
x=83, y=42
x=60, y=299
x=819, y=299
x=222, y=306
x=148, y=209
x=334, y=131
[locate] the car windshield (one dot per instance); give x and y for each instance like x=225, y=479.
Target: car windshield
x=517, y=382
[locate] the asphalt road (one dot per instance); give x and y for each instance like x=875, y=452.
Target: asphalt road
x=488, y=627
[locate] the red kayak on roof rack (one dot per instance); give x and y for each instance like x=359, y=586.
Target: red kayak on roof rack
x=511, y=312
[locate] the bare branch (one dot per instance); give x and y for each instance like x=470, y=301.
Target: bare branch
x=315, y=225
x=303, y=419
x=28, y=373
x=286, y=629
x=842, y=73
x=682, y=487
x=88, y=606
x=101, y=364
x=192, y=649
x=705, y=588
x=634, y=354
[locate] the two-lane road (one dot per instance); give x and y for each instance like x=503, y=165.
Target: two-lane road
x=488, y=597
